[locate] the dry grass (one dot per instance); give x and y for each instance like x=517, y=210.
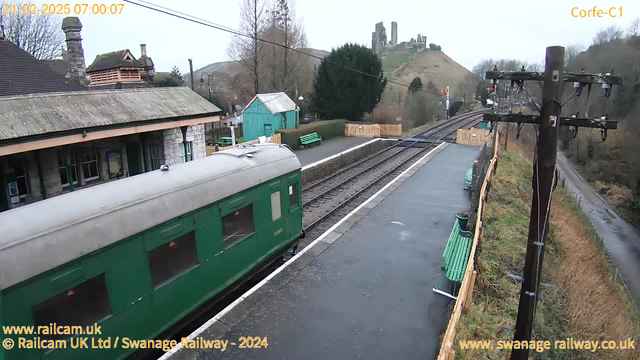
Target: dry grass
x=598, y=310
x=585, y=304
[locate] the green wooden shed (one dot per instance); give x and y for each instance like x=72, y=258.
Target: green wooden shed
x=267, y=113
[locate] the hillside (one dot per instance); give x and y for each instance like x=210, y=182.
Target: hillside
x=232, y=68
x=404, y=65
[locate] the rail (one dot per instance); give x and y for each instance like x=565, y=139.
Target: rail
x=378, y=179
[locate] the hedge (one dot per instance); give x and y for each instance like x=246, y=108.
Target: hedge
x=326, y=129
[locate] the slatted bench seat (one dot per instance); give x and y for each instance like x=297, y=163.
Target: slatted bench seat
x=468, y=177
x=310, y=139
x=456, y=254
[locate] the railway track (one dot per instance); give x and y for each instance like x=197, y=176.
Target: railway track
x=327, y=200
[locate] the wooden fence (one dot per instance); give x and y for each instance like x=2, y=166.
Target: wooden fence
x=473, y=136
x=273, y=139
x=372, y=130
x=465, y=294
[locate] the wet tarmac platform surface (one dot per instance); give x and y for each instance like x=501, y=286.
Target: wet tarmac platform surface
x=364, y=290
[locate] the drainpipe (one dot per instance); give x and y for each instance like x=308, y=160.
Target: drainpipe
x=67, y=160
x=43, y=189
x=184, y=141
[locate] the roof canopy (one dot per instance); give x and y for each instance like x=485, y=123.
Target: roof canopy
x=276, y=102
x=114, y=60
x=38, y=114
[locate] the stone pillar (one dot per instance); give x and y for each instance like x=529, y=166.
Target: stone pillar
x=75, y=54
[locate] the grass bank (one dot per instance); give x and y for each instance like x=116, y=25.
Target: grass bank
x=584, y=304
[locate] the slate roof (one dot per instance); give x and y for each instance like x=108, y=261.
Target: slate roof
x=37, y=114
x=276, y=102
x=21, y=73
x=113, y=60
x=59, y=66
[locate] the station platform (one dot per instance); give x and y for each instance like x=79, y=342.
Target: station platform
x=328, y=148
x=363, y=289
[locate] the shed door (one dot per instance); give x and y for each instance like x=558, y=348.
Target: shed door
x=268, y=129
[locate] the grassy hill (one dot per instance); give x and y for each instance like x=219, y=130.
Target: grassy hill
x=429, y=65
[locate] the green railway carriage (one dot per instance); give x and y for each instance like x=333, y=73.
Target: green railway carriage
x=138, y=254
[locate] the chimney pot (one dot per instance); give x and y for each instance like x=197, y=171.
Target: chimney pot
x=143, y=50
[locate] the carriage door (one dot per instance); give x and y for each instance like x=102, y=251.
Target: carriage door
x=294, y=218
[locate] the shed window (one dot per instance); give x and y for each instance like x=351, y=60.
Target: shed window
x=237, y=226
x=89, y=160
x=62, y=168
x=82, y=305
x=276, y=211
x=173, y=258
x=293, y=195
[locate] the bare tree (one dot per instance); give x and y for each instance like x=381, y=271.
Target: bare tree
x=610, y=34
x=634, y=28
x=287, y=69
x=39, y=35
x=571, y=53
x=247, y=50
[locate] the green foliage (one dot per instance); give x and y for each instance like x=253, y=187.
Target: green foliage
x=431, y=87
x=455, y=107
x=416, y=84
x=483, y=93
x=326, y=129
x=435, y=47
x=172, y=79
x=344, y=93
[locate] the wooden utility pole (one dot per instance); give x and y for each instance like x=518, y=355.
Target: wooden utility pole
x=544, y=167
x=543, y=186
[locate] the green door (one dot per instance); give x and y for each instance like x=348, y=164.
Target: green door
x=133, y=159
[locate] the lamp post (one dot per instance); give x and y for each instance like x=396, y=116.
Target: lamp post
x=300, y=98
x=208, y=82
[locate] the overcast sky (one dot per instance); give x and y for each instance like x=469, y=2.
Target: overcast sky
x=467, y=30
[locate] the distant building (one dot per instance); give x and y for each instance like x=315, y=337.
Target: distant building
x=379, y=38
x=109, y=69
x=394, y=33
x=267, y=113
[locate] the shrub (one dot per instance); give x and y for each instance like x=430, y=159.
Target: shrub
x=326, y=129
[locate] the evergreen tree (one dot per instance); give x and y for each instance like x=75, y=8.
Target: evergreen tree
x=341, y=93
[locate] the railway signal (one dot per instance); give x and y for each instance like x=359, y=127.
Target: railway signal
x=544, y=169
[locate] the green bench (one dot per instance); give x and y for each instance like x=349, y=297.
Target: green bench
x=468, y=177
x=456, y=254
x=310, y=139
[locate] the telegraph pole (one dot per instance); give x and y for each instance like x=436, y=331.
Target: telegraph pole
x=543, y=185
x=191, y=72
x=544, y=167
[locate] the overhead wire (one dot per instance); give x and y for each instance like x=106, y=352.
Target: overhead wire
x=193, y=19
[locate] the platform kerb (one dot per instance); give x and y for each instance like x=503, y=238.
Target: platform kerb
x=369, y=292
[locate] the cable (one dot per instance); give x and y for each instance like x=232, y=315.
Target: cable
x=191, y=18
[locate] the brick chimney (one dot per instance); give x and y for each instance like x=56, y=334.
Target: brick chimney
x=75, y=54
x=149, y=70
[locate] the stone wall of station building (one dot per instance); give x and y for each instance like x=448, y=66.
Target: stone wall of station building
x=174, y=148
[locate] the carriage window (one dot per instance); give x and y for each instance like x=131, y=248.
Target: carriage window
x=173, y=258
x=293, y=195
x=276, y=212
x=237, y=226
x=82, y=305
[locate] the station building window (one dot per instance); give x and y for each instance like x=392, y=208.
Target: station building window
x=173, y=258
x=89, y=161
x=189, y=151
x=293, y=195
x=237, y=226
x=18, y=182
x=62, y=168
x=157, y=156
x=276, y=211
x=82, y=305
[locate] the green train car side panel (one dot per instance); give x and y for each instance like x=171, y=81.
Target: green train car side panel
x=138, y=310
